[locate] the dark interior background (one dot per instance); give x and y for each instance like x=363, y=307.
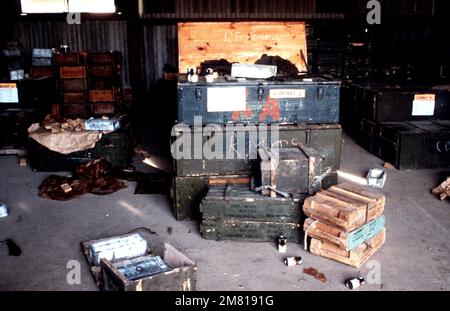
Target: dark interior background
x=413, y=35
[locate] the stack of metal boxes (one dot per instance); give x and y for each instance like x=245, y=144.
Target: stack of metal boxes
x=234, y=119
x=90, y=83
x=402, y=124
x=42, y=63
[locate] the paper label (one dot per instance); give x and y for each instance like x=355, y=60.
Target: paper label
x=287, y=93
x=9, y=93
x=424, y=104
x=224, y=99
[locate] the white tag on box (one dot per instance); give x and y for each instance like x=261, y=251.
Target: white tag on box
x=223, y=99
x=287, y=93
x=9, y=93
x=424, y=104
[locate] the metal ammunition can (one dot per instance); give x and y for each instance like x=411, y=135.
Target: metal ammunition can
x=293, y=261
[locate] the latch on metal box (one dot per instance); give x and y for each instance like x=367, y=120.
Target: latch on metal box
x=260, y=91
x=320, y=92
x=198, y=94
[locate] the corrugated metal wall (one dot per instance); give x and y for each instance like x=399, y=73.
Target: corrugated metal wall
x=159, y=46
x=261, y=9
x=89, y=35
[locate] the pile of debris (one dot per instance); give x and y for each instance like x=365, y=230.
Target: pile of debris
x=58, y=124
x=443, y=190
x=93, y=177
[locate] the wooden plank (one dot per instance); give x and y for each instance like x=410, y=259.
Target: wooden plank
x=229, y=181
x=355, y=257
x=242, y=42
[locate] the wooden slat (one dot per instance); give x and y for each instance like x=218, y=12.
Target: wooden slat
x=355, y=257
x=345, y=206
x=242, y=42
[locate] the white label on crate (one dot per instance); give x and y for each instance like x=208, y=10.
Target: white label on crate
x=287, y=93
x=424, y=104
x=9, y=93
x=223, y=99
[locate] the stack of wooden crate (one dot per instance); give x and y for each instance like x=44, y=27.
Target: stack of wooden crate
x=105, y=92
x=247, y=113
x=89, y=83
x=72, y=84
x=346, y=224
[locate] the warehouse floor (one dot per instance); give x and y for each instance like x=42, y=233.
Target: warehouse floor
x=415, y=257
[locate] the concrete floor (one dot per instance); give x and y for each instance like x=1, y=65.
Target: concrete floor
x=415, y=256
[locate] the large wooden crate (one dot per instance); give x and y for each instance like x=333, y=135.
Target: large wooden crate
x=345, y=206
x=242, y=42
x=356, y=257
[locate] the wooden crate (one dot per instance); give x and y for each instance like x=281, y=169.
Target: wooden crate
x=345, y=206
x=98, y=96
x=72, y=72
x=103, y=108
x=69, y=59
x=343, y=239
x=42, y=71
x=104, y=83
x=242, y=42
x=104, y=71
x=74, y=98
x=183, y=277
x=293, y=170
x=75, y=110
x=99, y=58
x=73, y=85
x=356, y=257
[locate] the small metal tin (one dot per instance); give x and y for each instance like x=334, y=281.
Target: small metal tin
x=354, y=283
x=3, y=210
x=293, y=261
x=282, y=244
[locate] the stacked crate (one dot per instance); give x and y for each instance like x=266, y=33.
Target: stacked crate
x=42, y=63
x=73, y=88
x=346, y=224
x=105, y=87
x=89, y=83
x=250, y=113
x=400, y=124
x=194, y=176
